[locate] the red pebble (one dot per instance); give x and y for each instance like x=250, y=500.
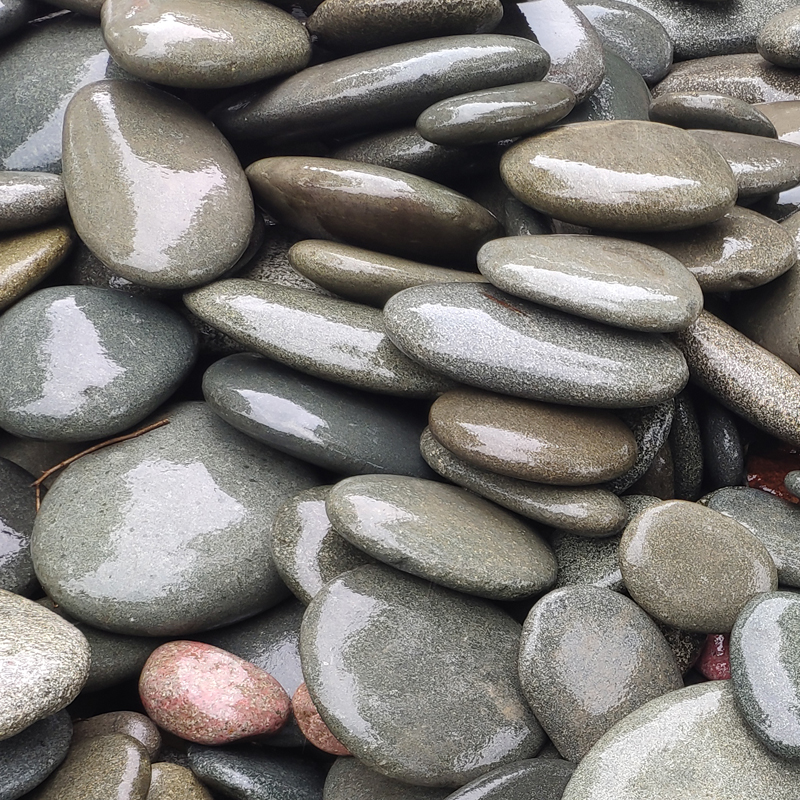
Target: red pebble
x=715, y=660
x=312, y=725
x=209, y=696
x=767, y=467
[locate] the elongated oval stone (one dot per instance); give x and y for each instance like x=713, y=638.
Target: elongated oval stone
x=383, y=88
x=349, y=779
x=529, y=779
x=610, y=280
x=621, y=175
x=438, y=532
x=28, y=199
x=373, y=207
x=447, y=662
x=710, y=110
x=205, y=45
x=485, y=338
x=328, y=338
x=154, y=190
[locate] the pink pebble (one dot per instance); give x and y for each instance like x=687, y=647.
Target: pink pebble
x=209, y=696
x=715, y=660
x=312, y=725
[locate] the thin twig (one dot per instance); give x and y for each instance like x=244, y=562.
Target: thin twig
x=37, y=484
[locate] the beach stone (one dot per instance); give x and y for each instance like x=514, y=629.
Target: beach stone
x=336, y=428
x=14, y=14
x=83, y=363
x=173, y=782
x=529, y=779
x=741, y=250
x=372, y=207
x=691, y=567
x=137, y=726
x=718, y=112
x=584, y=561
x=209, y=696
x=157, y=507
x=715, y=661
x=779, y=39
x=627, y=663
x=723, y=451
x=785, y=117
x=488, y=116
x=312, y=725
x=632, y=34
x=588, y=511
x=659, y=479
x=17, y=513
x=365, y=276
x=686, y=647
x=516, y=218
x=585, y=275
x=114, y=765
x=670, y=180
x=715, y=753
x=507, y=345
x=136, y=195
x=773, y=521
x=206, y=45
x=447, y=660
x=349, y=779
x=380, y=88
x=687, y=449
x=766, y=678
x=792, y=482
x=311, y=333
x=29, y=757
x=766, y=393
x=438, y=532
x=532, y=441
x=27, y=200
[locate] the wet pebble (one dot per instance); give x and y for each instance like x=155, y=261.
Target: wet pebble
x=715, y=661
x=27, y=200
x=349, y=779
x=779, y=39
x=312, y=724
x=132, y=724
x=173, y=782
x=17, y=512
x=531, y=779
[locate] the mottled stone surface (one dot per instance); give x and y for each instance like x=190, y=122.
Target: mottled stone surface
x=691, y=567
x=137, y=726
x=584, y=561
x=779, y=39
x=29, y=199
x=312, y=724
x=349, y=779
x=17, y=512
x=710, y=110
x=174, y=782
x=529, y=779
x=448, y=662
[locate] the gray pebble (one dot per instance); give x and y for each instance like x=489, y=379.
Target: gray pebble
x=710, y=110
x=687, y=449
x=779, y=39
x=723, y=450
x=29, y=199
x=530, y=779
x=17, y=512
x=349, y=779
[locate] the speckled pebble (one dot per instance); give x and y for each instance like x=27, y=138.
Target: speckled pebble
x=779, y=39
x=312, y=724
x=173, y=782
x=715, y=660
x=687, y=449
x=17, y=512
x=585, y=561
x=132, y=724
x=723, y=449
x=29, y=199
x=349, y=779
x=710, y=110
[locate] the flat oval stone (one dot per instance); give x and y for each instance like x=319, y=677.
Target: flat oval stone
x=17, y=513
x=332, y=339
x=621, y=283
x=173, y=782
x=533, y=441
x=159, y=507
x=349, y=779
x=529, y=779
x=28, y=199
x=621, y=175
x=306, y=549
x=154, y=190
x=485, y=338
x=684, y=744
x=206, y=45
x=132, y=355
x=372, y=207
x=365, y=276
x=589, y=511
x=742, y=250
x=588, y=658
x=691, y=567
x=447, y=661
x=766, y=678
x=43, y=658
x=383, y=88
x=438, y=532
x=710, y=110
x=494, y=114
x=779, y=39
x=137, y=726
x=312, y=725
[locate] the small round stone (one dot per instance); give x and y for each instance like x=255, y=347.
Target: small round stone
x=312, y=724
x=779, y=40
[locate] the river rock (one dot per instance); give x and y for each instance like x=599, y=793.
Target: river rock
x=779, y=39
x=723, y=450
x=530, y=779
x=585, y=561
x=137, y=726
x=349, y=779
x=312, y=724
x=687, y=449
x=783, y=115
x=709, y=110
x=17, y=513
x=27, y=200
x=174, y=782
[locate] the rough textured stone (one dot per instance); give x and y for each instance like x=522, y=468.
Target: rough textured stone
x=709, y=110
x=17, y=512
x=29, y=199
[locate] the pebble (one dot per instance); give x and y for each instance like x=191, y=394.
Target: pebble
x=27, y=200
x=687, y=449
x=204, y=46
x=137, y=726
x=173, y=782
x=44, y=659
x=659, y=479
x=532, y=441
x=529, y=779
x=684, y=744
x=792, y=482
x=151, y=513
x=324, y=337
x=783, y=115
x=621, y=283
x=17, y=512
x=588, y=658
x=718, y=112
x=691, y=567
x=715, y=661
x=779, y=39
x=723, y=450
x=349, y=779
x=449, y=664
x=485, y=338
x=584, y=561
x=654, y=177
x=312, y=725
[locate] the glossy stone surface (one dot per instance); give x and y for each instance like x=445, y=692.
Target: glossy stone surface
x=381, y=88
x=529, y=779
x=783, y=115
x=723, y=449
x=44, y=659
x=328, y=425
x=448, y=662
x=206, y=45
x=158, y=508
x=29, y=199
x=590, y=511
x=312, y=724
x=691, y=567
x=686, y=743
x=709, y=110
x=715, y=661
x=438, y=532
x=485, y=338
x=137, y=726
x=779, y=39
x=154, y=190
x=17, y=512
x=614, y=281
x=173, y=782
x=628, y=662
x=349, y=779
x=532, y=441
x=687, y=449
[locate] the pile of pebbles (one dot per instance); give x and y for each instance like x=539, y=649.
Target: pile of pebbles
x=399, y=399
